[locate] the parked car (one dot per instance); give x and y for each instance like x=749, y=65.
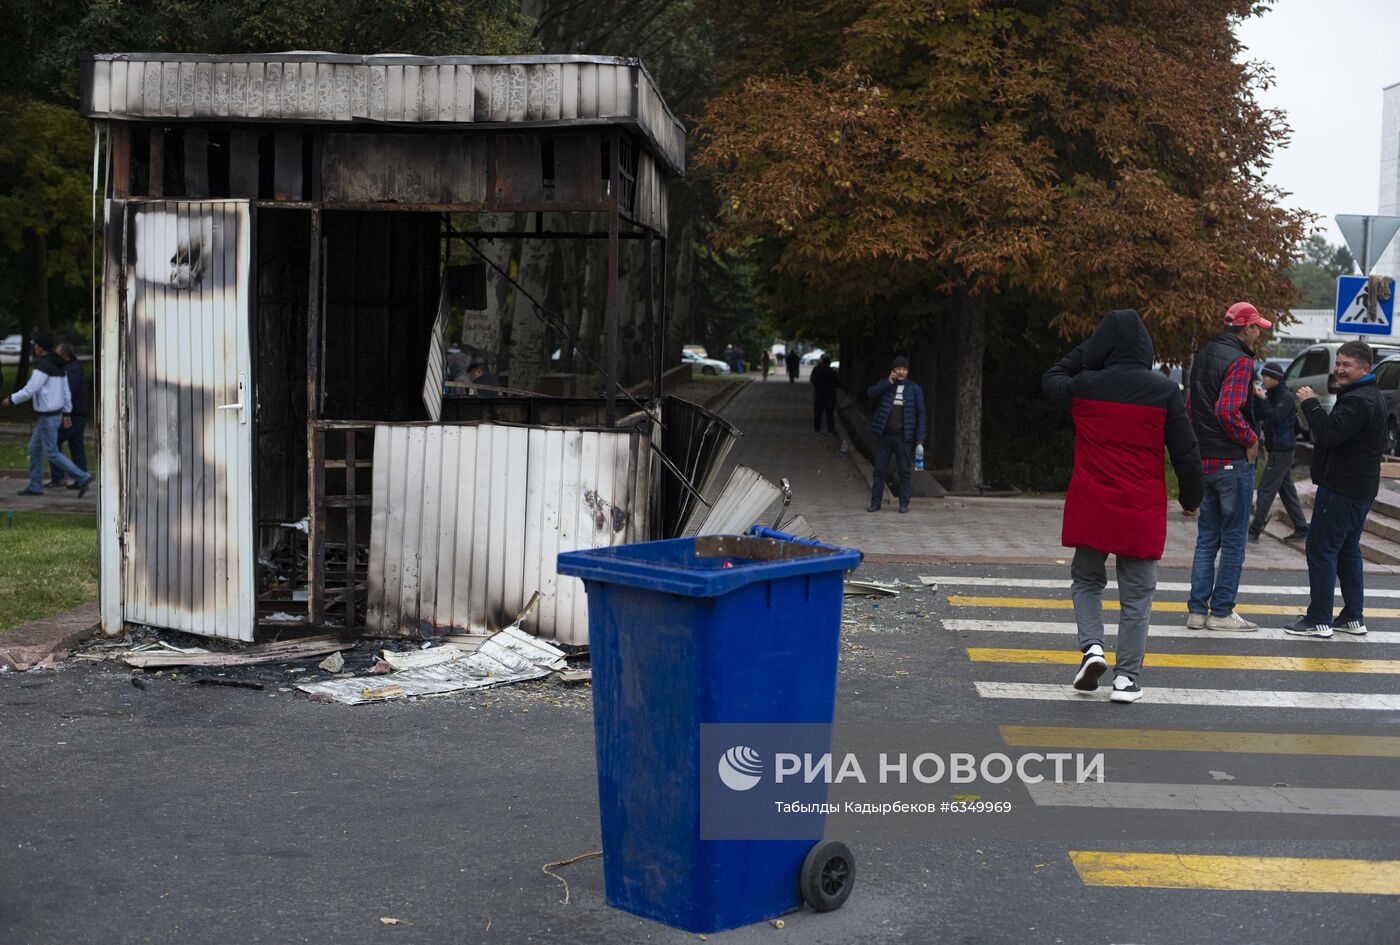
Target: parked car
x=1388, y=381
x=11, y=344
x=813, y=356
x=703, y=365
x=697, y=349
x=1313, y=368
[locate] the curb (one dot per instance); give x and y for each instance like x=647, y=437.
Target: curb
x=31, y=643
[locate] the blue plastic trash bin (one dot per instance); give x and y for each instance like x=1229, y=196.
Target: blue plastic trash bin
x=684, y=632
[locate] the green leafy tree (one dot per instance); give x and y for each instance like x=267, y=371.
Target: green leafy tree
x=1316, y=271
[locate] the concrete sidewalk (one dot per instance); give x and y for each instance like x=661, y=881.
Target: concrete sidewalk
x=830, y=492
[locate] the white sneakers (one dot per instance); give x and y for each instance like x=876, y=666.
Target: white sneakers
x=1125, y=690
x=1195, y=621
x=1231, y=622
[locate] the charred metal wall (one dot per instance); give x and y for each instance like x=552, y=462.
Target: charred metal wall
x=468, y=520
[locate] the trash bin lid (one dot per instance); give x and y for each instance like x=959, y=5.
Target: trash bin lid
x=709, y=566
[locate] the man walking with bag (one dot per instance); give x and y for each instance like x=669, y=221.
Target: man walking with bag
x=1124, y=413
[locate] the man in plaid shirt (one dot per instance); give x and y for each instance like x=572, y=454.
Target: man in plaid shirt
x=1221, y=410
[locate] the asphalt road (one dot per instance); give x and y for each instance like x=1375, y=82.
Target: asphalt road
x=182, y=813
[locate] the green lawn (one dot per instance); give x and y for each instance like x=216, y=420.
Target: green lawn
x=14, y=451
x=48, y=563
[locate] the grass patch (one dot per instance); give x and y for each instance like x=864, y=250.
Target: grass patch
x=14, y=452
x=48, y=564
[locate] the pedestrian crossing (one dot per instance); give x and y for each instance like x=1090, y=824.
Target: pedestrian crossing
x=1298, y=681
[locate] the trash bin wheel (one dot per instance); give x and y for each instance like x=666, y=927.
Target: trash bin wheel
x=828, y=875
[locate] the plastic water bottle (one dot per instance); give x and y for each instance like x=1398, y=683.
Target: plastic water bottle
x=919, y=456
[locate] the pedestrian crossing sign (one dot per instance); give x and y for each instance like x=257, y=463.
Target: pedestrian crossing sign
x=1365, y=306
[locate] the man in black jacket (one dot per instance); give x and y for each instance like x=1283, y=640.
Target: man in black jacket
x=825, y=383
x=1346, y=465
x=1280, y=415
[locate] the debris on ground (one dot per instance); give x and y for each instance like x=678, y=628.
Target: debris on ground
x=232, y=683
x=548, y=870
x=282, y=652
x=333, y=663
x=854, y=588
x=509, y=655
x=576, y=676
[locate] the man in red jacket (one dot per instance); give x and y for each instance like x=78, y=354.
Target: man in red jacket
x=1117, y=503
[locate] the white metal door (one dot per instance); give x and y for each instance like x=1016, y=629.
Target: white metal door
x=188, y=512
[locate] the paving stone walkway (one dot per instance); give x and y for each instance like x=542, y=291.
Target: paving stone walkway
x=831, y=493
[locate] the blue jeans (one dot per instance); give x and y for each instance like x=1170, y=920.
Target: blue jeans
x=73, y=436
x=43, y=444
x=1334, y=552
x=1222, y=527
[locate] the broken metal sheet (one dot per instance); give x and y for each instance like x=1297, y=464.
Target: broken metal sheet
x=798, y=527
x=417, y=659
x=854, y=588
x=740, y=504
x=271, y=653
x=508, y=656
x=437, y=358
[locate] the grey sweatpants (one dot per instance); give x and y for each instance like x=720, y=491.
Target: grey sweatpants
x=1137, y=582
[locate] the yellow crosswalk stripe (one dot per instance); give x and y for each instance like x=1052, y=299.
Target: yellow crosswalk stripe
x=1256, y=743
x=1252, y=873
x=1297, y=664
x=1161, y=607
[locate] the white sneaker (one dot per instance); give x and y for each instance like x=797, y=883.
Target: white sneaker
x=1090, y=669
x=1195, y=621
x=1125, y=690
x=1354, y=627
x=1231, y=622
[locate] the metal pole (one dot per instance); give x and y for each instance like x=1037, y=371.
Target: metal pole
x=315, y=457
x=656, y=345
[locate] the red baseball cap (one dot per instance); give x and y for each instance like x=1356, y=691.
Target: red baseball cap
x=1242, y=315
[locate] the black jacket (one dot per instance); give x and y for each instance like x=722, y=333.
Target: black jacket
x=1280, y=419
x=1349, y=441
x=1208, y=372
x=825, y=383
x=74, y=370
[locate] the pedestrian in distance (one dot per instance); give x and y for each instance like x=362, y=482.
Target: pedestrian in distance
x=1221, y=405
x=485, y=381
x=898, y=423
x=1280, y=420
x=72, y=433
x=825, y=383
x=1124, y=413
x=794, y=363
x=53, y=406
x=1346, y=466
x=765, y=360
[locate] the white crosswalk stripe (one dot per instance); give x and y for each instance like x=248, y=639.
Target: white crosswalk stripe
x=1163, y=587
x=1157, y=632
x=1245, y=698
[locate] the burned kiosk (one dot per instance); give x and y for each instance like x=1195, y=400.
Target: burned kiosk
x=280, y=237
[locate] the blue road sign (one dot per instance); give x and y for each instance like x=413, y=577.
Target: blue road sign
x=1352, y=316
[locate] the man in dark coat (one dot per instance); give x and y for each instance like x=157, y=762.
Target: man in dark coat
x=825, y=383
x=72, y=434
x=898, y=423
x=1124, y=412
x=1346, y=465
x=1280, y=421
x=484, y=380
x=1221, y=405
x=794, y=363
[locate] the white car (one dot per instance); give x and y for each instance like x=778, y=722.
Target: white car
x=813, y=356
x=704, y=365
x=11, y=344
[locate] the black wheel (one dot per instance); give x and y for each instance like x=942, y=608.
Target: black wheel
x=1392, y=439
x=707, y=370
x=828, y=875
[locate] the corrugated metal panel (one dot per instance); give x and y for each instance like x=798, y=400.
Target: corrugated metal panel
x=744, y=499
x=188, y=522
x=111, y=406
x=327, y=87
x=437, y=359
x=467, y=521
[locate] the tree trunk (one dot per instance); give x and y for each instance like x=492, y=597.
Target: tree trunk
x=967, y=429
x=38, y=246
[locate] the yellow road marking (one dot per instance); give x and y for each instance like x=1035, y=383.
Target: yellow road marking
x=1254, y=873
x=1160, y=607
x=1297, y=664
x=1257, y=743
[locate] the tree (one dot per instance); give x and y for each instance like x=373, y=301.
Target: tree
x=1316, y=270
x=1081, y=154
